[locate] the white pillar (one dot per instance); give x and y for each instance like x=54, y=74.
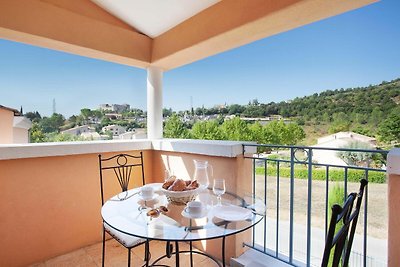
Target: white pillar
x=154, y=103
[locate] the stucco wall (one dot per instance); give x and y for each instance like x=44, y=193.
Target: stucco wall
x=20, y=136
x=50, y=206
x=393, y=171
x=6, y=126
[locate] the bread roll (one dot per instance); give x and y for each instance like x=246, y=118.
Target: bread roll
x=178, y=185
x=193, y=185
x=169, y=182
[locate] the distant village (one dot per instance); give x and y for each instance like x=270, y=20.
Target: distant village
x=114, y=113
x=15, y=129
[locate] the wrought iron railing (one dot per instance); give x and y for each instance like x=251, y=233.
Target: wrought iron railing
x=286, y=166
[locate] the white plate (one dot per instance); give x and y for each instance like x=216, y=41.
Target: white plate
x=231, y=213
x=189, y=216
x=155, y=196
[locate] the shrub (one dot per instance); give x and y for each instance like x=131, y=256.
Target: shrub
x=320, y=174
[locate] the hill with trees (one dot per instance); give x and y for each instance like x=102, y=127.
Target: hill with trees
x=373, y=110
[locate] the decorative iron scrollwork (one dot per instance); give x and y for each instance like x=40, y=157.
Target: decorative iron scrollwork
x=304, y=151
x=125, y=160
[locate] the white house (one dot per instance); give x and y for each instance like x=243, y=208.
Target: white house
x=14, y=127
x=115, y=129
x=339, y=140
x=343, y=138
x=115, y=107
x=79, y=130
x=91, y=136
x=139, y=133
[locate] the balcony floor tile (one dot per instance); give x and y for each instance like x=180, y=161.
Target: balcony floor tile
x=116, y=255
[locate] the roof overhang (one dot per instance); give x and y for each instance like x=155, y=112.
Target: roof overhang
x=16, y=112
x=82, y=27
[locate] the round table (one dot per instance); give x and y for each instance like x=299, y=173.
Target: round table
x=127, y=213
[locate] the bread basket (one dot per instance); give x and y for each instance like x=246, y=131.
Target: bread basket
x=180, y=197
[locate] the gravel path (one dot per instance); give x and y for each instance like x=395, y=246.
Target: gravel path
x=377, y=203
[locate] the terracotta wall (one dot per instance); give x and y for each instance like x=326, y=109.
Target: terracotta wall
x=394, y=220
x=50, y=206
x=6, y=126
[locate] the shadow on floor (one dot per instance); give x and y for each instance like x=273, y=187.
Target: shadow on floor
x=117, y=256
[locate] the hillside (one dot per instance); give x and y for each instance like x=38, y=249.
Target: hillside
x=372, y=110
x=362, y=101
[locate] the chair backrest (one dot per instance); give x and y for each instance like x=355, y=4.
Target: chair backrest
x=342, y=239
x=122, y=167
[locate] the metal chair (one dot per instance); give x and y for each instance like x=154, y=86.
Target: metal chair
x=341, y=238
x=122, y=167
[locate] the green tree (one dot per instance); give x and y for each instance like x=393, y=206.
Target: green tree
x=105, y=121
x=340, y=123
x=208, y=130
x=292, y=134
x=167, y=112
x=175, y=128
x=389, y=129
x=235, y=109
x=52, y=124
x=376, y=117
x=274, y=132
x=257, y=133
x=33, y=116
x=36, y=134
x=86, y=113
x=253, y=111
x=236, y=129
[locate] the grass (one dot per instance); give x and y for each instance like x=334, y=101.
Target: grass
x=320, y=174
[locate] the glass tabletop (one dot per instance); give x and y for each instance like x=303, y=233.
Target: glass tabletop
x=129, y=216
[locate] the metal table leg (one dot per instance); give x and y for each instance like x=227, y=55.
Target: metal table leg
x=223, y=251
x=177, y=253
x=191, y=253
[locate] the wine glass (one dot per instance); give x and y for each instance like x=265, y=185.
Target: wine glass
x=219, y=189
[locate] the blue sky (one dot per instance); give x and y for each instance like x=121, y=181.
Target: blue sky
x=358, y=48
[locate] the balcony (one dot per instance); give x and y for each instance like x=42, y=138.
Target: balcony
x=51, y=204
x=50, y=199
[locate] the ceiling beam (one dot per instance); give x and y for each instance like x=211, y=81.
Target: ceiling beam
x=83, y=28
x=233, y=23
x=78, y=27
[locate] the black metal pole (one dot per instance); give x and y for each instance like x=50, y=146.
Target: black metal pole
x=176, y=253
x=223, y=251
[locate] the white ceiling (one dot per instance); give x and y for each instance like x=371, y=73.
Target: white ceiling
x=154, y=17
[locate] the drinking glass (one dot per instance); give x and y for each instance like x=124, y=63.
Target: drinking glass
x=219, y=189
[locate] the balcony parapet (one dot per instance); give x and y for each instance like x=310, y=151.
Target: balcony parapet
x=393, y=166
x=204, y=147
x=216, y=148
x=38, y=150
